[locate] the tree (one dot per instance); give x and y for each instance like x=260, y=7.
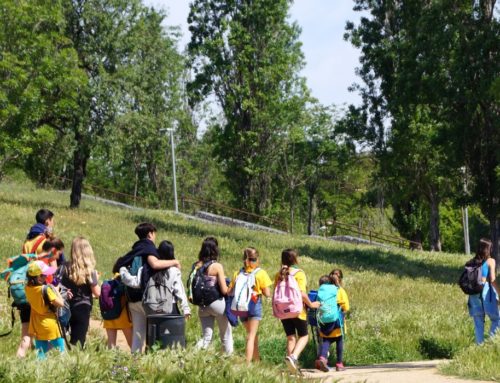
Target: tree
x=248, y=56
x=39, y=82
x=403, y=90
x=102, y=34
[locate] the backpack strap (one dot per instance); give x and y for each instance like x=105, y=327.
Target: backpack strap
x=37, y=243
x=54, y=310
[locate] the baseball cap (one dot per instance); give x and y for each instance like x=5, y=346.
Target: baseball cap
x=37, y=268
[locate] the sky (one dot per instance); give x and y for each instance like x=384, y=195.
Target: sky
x=330, y=61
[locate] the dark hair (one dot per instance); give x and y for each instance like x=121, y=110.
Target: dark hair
x=32, y=281
x=483, y=249
x=166, y=250
x=249, y=251
x=338, y=274
x=288, y=258
x=43, y=215
x=209, y=250
x=143, y=229
x=324, y=279
x=53, y=243
x=213, y=239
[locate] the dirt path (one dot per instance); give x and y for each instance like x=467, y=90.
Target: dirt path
x=121, y=343
x=409, y=372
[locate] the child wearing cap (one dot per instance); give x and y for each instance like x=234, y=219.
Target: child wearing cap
x=43, y=322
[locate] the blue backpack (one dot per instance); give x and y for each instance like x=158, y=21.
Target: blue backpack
x=329, y=311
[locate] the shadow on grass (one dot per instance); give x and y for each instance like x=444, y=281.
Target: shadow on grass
x=378, y=260
x=384, y=262
x=195, y=230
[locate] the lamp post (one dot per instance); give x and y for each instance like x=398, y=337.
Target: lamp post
x=171, y=131
x=465, y=215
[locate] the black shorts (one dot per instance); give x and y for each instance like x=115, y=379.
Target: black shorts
x=24, y=312
x=294, y=326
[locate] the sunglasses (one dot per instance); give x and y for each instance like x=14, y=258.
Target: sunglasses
x=252, y=259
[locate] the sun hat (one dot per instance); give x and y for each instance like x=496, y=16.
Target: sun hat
x=37, y=268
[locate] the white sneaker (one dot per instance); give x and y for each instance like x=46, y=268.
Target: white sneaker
x=292, y=364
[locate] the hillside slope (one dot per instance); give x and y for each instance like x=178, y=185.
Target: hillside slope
x=405, y=305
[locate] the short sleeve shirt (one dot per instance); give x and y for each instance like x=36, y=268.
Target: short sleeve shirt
x=43, y=322
x=262, y=280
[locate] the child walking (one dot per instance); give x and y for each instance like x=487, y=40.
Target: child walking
x=43, y=325
x=330, y=288
x=259, y=281
x=295, y=327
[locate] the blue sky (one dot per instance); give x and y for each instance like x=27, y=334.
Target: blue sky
x=330, y=61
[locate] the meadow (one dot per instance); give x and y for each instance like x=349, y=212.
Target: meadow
x=405, y=306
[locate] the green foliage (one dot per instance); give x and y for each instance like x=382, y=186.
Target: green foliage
x=39, y=81
x=248, y=56
x=476, y=362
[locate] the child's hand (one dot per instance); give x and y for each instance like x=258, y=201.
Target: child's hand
x=187, y=316
x=315, y=305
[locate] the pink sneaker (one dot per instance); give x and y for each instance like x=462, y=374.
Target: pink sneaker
x=339, y=367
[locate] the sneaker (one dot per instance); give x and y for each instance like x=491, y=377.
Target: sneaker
x=292, y=364
x=322, y=364
x=339, y=367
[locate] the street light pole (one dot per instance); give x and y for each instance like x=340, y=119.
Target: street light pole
x=172, y=145
x=176, y=205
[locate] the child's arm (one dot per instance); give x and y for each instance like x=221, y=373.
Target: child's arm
x=130, y=280
x=180, y=293
x=54, y=297
x=160, y=264
x=343, y=300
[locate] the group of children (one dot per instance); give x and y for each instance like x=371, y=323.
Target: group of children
x=218, y=299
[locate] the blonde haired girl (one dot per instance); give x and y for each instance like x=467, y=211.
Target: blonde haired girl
x=80, y=277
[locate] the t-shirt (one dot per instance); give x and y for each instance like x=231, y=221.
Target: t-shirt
x=28, y=245
x=43, y=322
x=262, y=280
x=301, y=279
x=82, y=294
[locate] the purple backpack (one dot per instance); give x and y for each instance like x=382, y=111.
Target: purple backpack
x=287, y=298
x=110, y=300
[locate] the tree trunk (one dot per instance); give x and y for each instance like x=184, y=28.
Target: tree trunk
x=494, y=232
x=435, y=237
x=311, y=193
x=292, y=207
x=79, y=172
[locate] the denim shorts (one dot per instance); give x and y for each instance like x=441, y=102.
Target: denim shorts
x=254, y=310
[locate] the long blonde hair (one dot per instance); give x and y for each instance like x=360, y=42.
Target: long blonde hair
x=82, y=262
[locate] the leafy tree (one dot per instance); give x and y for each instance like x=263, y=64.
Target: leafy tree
x=248, y=56
x=39, y=84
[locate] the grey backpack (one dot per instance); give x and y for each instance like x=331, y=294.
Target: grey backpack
x=158, y=297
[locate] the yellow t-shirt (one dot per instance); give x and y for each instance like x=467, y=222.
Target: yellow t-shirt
x=30, y=243
x=43, y=322
x=343, y=302
x=301, y=279
x=262, y=280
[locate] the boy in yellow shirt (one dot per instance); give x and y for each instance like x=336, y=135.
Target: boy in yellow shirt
x=43, y=324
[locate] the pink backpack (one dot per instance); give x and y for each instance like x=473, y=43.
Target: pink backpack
x=287, y=298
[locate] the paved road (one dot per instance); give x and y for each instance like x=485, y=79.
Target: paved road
x=408, y=372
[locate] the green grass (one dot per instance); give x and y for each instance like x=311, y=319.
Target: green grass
x=405, y=305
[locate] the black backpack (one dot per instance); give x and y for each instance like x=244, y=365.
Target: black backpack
x=203, y=294
x=470, y=280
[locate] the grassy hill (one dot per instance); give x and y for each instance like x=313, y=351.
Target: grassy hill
x=405, y=305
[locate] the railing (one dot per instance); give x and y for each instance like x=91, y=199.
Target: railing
x=218, y=208
x=373, y=236
x=99, y=191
